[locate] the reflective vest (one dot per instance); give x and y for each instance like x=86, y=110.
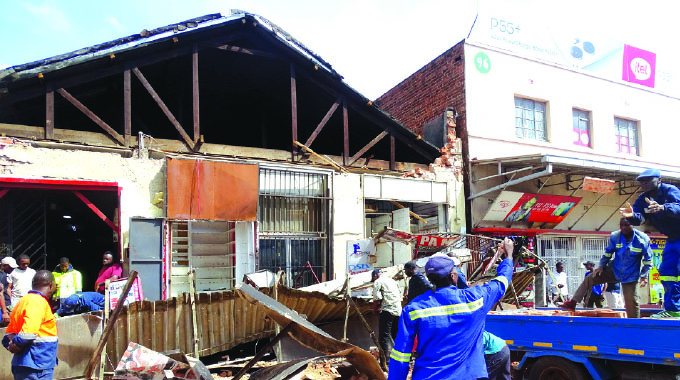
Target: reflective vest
x=33, y=327
x=68, y=283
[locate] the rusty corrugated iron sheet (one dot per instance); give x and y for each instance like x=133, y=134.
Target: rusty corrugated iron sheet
x=307, y=334
x=223, y=320
x=211, y=190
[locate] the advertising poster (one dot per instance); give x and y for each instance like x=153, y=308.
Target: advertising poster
x=572, y=34
x=655, y=287
x=432, y=243
x=358, y=252
x=116, y=290
x=512, y=206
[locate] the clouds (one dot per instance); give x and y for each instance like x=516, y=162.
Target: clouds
x=48, y=15
x=117, y=26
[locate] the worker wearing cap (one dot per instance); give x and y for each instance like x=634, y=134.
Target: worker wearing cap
x=659, y=204
x=449, y=323
x=627, y=259
x=386, y=299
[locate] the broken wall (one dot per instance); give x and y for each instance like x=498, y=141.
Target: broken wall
x=139, y=178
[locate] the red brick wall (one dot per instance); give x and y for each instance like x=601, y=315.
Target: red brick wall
x=426, y=94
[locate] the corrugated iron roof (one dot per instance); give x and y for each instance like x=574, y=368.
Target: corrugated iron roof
x=146, y=37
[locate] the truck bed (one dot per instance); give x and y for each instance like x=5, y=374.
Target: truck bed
x=645, y=340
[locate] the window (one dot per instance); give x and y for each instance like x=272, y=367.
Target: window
x=530, y=119
x=293, y=217
x=581, y=127
x=626, y=136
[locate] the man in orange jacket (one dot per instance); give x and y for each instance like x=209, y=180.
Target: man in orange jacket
x=32, y=332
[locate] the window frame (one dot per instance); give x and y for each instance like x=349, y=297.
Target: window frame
x=533, y=109
x=589, y=127
x=633, y=125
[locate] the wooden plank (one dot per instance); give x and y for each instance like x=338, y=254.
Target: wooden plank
x=194, y=80
x=345, y=134
x=164, y=108
x=323, y=122
x=363, y=112
x=127, y=103
x=49, y=115
x=89, y=370
x=323, y=158
x=172, y=327
x=264, y=350
x=393, y=155
x=194, y=318
x=115, y=135
x=367, y=147
x=254, y=52
x=205, y=333
x=159, y=326
x=293, y=107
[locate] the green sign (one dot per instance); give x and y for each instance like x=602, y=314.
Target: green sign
x=482, y=62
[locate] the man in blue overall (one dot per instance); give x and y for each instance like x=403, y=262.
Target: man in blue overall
x=449, y=323
x=628, y=249
x=659, y=204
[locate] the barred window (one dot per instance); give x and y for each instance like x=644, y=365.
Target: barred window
x=626, y=132
x=530, y=119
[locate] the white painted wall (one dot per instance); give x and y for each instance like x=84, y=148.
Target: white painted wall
x=491, y=113
x=140, y=179
x=348, y=218
x=245, y=249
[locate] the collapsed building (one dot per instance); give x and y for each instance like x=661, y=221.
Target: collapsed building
x=217, y=146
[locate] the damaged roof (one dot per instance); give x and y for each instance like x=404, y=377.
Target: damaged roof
x=30, y=81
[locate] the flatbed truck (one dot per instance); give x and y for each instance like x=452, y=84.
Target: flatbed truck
x=582, y=348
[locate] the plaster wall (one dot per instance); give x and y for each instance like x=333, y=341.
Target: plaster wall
x=139, y=179
x=491, y=111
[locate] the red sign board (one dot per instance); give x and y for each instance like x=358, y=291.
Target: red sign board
x=511, y=206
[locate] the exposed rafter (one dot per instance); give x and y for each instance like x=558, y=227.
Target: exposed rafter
x=116, y=136
x=367, y=147
x=323, y=121
x=164, y=108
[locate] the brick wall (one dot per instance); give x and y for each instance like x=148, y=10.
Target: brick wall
x=426, y=93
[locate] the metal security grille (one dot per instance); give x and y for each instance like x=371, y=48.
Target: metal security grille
x=23, y=228
x=562, y=249
x=293, y=222
x=592, y=249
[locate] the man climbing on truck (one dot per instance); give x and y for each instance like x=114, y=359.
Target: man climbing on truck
x=449, y=323
x=659, y=204
x=627, y=249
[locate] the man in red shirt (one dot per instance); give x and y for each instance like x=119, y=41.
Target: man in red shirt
x=111, y=271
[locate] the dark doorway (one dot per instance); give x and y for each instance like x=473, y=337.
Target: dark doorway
x=48, y=224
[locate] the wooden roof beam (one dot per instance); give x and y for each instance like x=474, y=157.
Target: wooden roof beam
x=164, y=108
x=116, y=136
x=323, y=121
x=367, y=147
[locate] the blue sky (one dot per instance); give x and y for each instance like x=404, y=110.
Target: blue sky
x=374, y=44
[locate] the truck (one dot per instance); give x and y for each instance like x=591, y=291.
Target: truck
x=580, y=348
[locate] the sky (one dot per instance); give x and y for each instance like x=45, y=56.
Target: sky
x=374, y=44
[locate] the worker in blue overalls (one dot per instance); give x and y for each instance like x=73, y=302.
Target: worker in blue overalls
x=449, y=323
x=659, y=204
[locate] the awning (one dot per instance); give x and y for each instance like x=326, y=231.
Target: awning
x=525, y=168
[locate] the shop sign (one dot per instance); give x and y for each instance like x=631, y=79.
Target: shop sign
x=512, y=206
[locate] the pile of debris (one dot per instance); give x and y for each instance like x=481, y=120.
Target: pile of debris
x=451, y=154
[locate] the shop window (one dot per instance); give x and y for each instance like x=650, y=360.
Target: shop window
x=293, y=224
x=626, y=132
x=581, y=127
x=530, y=121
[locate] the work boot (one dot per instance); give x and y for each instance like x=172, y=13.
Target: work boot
x=567, y=305
x=666, y=314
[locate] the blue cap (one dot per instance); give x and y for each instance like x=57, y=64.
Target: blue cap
x=375, y=272
x=440, y=266
x=649, y=173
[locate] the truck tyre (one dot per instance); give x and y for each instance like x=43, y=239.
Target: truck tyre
x=556, y=368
